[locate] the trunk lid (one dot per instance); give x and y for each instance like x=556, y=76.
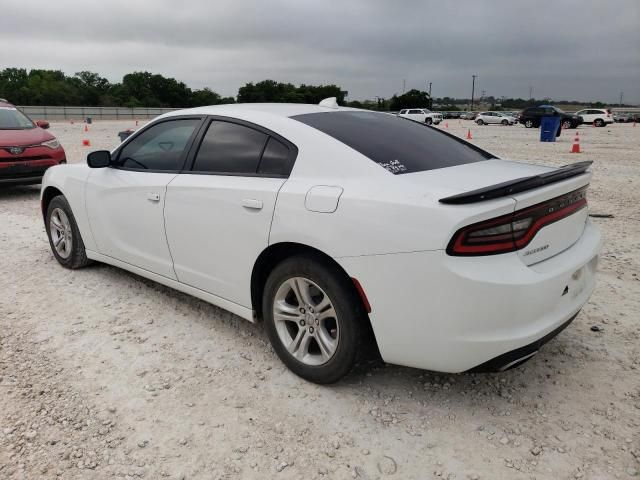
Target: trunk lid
x=559, y=235
x=552, y=238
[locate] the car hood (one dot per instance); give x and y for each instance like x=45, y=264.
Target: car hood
x=32, y=136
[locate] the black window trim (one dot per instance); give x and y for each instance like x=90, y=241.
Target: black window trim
x=197, y=142
x=116, y=154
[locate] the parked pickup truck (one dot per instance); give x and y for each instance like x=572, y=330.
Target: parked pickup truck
x=421, y=115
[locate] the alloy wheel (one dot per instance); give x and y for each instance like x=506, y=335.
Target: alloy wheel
x=306, y=321
x=61, y=234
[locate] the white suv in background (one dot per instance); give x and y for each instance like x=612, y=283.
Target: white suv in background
x=486, y=118
x=597, y=116
x=421, y=115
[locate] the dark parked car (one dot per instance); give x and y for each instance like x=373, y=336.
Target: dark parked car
x=532, y=116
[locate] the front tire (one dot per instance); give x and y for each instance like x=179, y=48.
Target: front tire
x=566, y=124
x=480, y=122
x=64, y=236
x=428, y=121
x=313, y=318
x=528, y=123
x=599, y=122
x=505, y=122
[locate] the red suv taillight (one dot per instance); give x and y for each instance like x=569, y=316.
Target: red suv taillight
x=514, y=231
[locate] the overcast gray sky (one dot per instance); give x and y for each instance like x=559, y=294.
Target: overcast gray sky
x=574, y=49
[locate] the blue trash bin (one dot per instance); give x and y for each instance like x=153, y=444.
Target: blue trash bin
x=549, y=128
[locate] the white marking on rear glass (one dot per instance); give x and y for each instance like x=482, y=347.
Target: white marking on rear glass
x=394, y=166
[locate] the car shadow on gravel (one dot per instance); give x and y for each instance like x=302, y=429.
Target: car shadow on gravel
x=371, y=371
x=19, y=192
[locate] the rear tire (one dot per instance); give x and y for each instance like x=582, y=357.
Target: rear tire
x=479, y=122
x=566, y=124
x=528, y=123
x=599, y=122
x=505, y=122
x=428, y=121
x=64, y=236
x=313, y=318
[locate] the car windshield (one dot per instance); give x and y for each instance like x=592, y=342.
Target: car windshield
x=13, y=119
x=396, y=144
x=559, y=110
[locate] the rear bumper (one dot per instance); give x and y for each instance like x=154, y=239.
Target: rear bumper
x=453, y=314
x=517, y=357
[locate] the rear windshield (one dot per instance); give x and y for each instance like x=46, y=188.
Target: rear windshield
x=395, y=143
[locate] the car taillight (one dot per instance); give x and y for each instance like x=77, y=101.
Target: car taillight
x=514, y=231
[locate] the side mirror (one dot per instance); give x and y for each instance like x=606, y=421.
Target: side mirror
x=99, y=159
x=42, y=124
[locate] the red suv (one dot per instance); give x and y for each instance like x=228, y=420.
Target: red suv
x=26, y=149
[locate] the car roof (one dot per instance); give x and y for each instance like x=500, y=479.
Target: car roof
x=277, y=109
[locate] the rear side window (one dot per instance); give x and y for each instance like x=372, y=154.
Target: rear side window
x=230, y=148
x=394, y=143
x=276, y=159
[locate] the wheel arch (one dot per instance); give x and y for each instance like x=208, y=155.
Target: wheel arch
x=49, y=193
x=276, y=253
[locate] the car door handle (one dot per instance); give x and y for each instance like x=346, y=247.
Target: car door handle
x=252, y=203
x=153, y=197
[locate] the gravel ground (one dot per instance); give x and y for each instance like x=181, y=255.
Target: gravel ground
x=104, y=374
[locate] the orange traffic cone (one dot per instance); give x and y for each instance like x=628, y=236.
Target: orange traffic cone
x=86, y=128
x=86, y=143
x=469, y=136
x=576, y=144
x=446, y=124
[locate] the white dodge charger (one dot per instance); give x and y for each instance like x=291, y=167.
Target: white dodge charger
x=337, y=227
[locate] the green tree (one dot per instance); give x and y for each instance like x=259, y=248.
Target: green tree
x=277, y=92
x=412, y=99
x=92, y=87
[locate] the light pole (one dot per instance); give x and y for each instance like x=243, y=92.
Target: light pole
x=430, y=101
x=473, y=89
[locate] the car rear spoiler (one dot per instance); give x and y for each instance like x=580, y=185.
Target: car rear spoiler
x=511, y=187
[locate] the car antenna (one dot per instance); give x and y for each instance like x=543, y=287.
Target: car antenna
x=330, y=102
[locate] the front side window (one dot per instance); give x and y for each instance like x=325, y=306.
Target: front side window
x=393, y=143
x=160, y=147
x=230, y=148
